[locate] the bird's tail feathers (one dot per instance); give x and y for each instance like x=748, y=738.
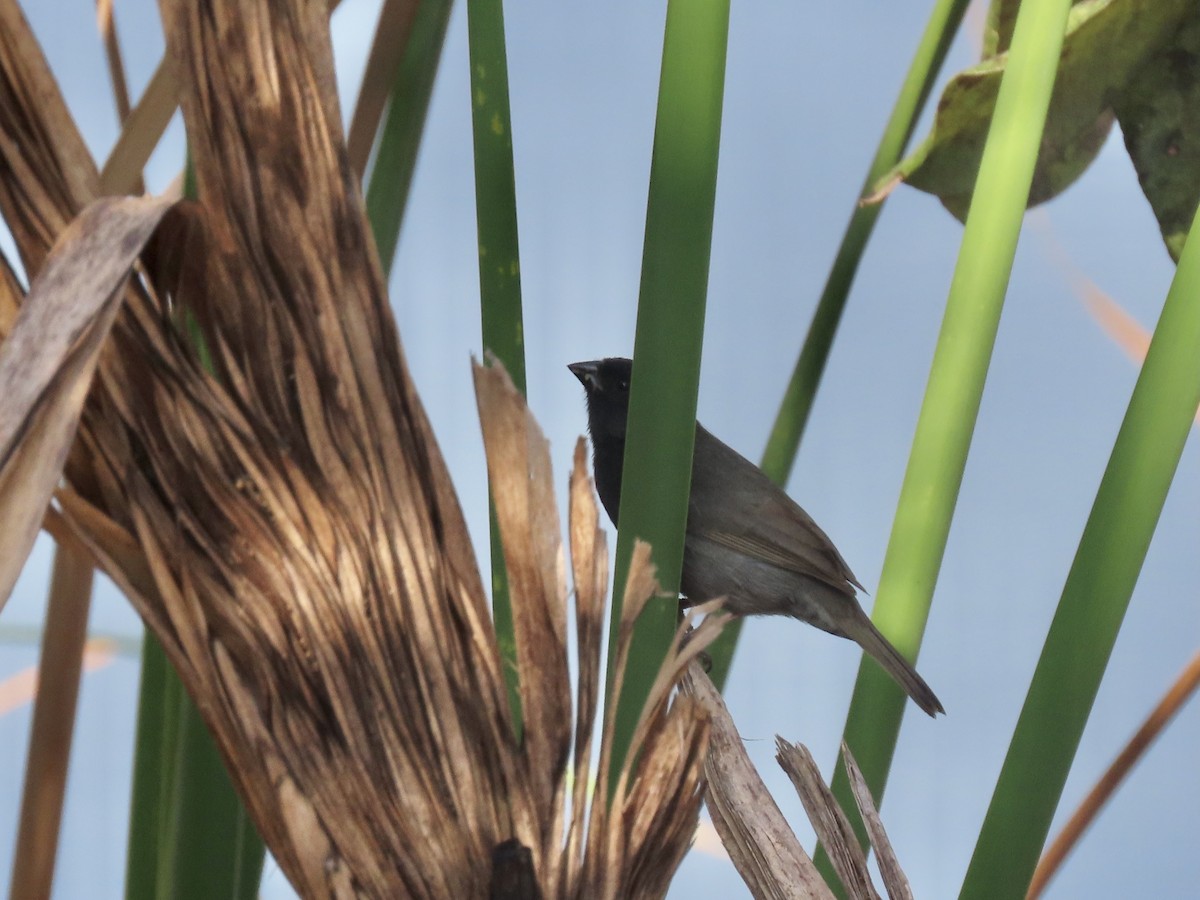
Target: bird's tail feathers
x=863, y=632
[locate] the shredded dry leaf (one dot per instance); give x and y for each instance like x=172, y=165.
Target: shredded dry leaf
x=895, y=882
x=758, y=839
x=832, y=827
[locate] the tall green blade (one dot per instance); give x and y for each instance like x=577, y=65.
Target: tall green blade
x=1096, y=595
x=189, y=835
x=499, y=261
x=784, y=442
x=210, y=846
x=495, y=189
x=956, y=379
x=155, y=751
x=670, y=329
x=391, y=176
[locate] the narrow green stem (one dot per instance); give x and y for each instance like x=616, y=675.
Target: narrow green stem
x=400, y=140
x=499, y=262
x=210, y=846
x=154, y=755
x=957, y=374
x=670, y=330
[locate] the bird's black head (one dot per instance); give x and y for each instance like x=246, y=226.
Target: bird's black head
x=606, y=382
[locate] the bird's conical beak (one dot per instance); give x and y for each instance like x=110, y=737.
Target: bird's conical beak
x=585, y=372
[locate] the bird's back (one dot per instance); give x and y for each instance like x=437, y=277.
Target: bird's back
x=735, y=504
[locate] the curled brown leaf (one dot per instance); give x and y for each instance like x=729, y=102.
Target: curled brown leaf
x=47, y=360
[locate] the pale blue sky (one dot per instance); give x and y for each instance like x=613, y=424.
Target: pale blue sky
x=809, y=87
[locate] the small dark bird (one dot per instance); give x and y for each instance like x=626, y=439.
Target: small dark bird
x=747, y=540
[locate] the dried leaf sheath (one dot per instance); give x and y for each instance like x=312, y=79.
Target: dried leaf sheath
x=521, y=484
x=589, y=563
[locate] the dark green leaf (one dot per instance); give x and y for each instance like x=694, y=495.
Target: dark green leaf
x=670, y=330
x=403, y=126
x=499, y=263
x=1107, y=42
x=1159, y=112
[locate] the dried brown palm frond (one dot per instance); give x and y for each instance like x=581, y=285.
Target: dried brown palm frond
x=282, y=518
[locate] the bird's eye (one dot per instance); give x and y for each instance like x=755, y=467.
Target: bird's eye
x=623, y=385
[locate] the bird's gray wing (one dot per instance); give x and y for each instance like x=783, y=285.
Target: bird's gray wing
x=757, y=518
